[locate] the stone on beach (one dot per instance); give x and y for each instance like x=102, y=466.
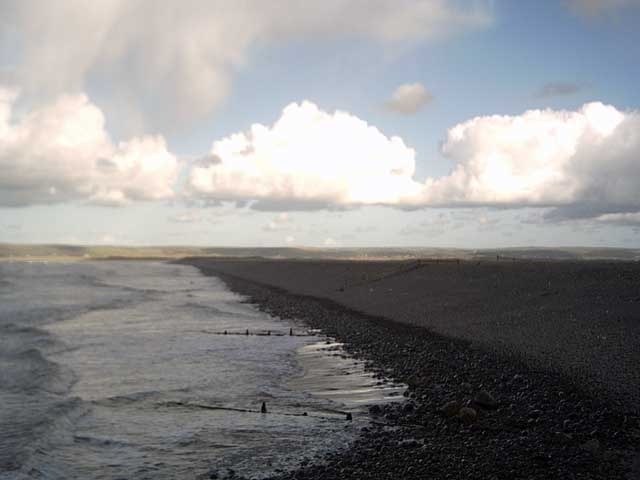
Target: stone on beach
x=450, y=409
x=467, y=415
x=485, y=400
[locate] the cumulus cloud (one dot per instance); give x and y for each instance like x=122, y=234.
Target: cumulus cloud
x=308, y=156
x=558, y=89
x=408, y=98
x=281, y=222
x=192, y=49
x=624, y=219
x=586, y=158
x=61, y=152
x=486, y=223
x=574, y=161
x=107, y=239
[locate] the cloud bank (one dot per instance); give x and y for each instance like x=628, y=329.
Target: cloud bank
x=62, y=152
x=582, y=164
x=583, y=161
x=586, y=158
x=192, y=49
x=625, y=219
x=408, y=99
x=281, y=222
x=308, y=158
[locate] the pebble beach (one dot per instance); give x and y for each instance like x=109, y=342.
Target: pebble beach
x=515, y=369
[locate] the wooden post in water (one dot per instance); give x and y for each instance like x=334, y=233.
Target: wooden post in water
x=263, y=409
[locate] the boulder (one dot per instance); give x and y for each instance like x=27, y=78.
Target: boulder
x=467, y=415
x=450, y=409
x=485, y=400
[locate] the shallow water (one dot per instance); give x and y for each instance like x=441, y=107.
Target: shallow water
x=118, y=370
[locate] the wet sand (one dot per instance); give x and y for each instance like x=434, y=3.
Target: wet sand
x=554, y=344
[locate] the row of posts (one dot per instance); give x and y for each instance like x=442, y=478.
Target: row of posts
x=268, y=332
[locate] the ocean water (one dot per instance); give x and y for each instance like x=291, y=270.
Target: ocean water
x=115, y=370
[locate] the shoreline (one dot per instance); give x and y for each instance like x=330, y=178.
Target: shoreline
x=542, y=425
x=329, y=373
x=581, y=319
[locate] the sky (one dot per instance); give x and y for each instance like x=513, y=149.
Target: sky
x=340, y=123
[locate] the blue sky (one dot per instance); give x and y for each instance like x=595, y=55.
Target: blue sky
x=567, y=177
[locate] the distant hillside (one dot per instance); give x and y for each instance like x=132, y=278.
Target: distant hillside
x=79, y=252
x=101, y=252
x=74, y=252
x=569, y=253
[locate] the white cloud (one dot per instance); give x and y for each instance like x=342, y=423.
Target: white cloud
x=62, y=152
x=281, y=222
x=584, y=160
x=408, y=98
x=544, y=158
x=485, y=223
x=583, y=164
x=625, y=219
x=309, y=157
x=192, y=49
x=107, y=239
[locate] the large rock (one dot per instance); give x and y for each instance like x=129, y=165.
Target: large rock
x=450, y=409
x=485, y=400
x=467, y=415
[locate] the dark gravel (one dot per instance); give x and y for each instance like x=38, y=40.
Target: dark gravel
x=471, y=412
x=579, y=318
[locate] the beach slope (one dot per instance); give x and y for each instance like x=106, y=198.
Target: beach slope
x=515, y=369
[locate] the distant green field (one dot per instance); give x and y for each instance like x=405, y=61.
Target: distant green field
x=573, y=253
x=79, y=252
x=74, y=252
x=98, y=252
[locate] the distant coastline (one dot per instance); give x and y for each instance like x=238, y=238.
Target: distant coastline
x=56, y=252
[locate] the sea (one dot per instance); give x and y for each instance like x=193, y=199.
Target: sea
x=140, y=369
